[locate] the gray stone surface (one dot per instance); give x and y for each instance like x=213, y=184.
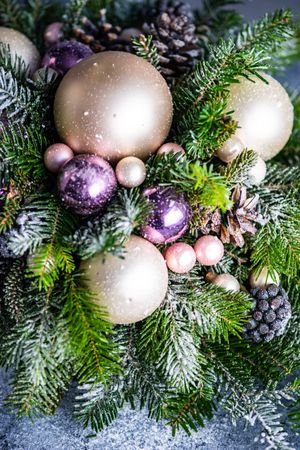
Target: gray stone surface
x=132, y=430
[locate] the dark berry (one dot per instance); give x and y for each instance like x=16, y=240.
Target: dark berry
x=276, y=303
x=282, y=313
x=270, y=316
x=258, y=315
x=272, y=290
x=276, y=325
x=251, y=324
x=262, y=294
x=263, y=305
x=256, y=336
x=263, y=328
x=254, y=291
x=268, y=337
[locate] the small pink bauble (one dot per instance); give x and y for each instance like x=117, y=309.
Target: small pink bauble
x=56, y=156
x=53, y=33
x=170, y=147
x=180, y=257
x=209, y=250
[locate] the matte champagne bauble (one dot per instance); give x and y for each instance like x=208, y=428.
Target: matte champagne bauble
x=132, y=288
x=264, y=278
x=21, y=46
x=131, y=172
x=209, y=250
x=170, y=147
x=180, y=257
x=227, y=281
x=264, y=113
x=56, y=156
x=113, y=104
x=230, y=150
x=258, y=172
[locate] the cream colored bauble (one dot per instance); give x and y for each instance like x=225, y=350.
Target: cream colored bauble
x=227, y=282
x=132, y=288
x=263, y=279
x=264, y=113
x=21, y=46
x=258, y=172
x=113, y=104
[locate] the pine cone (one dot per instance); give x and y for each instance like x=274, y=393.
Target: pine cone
x=174, y=35
x=270, y=315
x=239, y=220
x=102, y=35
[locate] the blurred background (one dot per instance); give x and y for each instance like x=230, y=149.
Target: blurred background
x=133, y=430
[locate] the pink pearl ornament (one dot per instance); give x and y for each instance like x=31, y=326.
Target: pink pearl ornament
x=209, y=250
x=180, y=257
x=56, y=156
x=170, y=147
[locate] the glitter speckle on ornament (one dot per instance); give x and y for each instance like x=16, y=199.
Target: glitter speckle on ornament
x=169, y=217
x=86, y=183
x=132, y=288
x=265, y=114
x=113, y=104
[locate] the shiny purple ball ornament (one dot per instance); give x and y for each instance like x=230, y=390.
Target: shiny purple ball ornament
x=169, y=217
x=86, y=183
x=64, y=55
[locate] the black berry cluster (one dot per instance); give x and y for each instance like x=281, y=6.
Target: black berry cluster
x=270, y=315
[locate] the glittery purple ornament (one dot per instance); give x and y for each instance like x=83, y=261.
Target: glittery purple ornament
x=86, y=183
x=169, y=217
x=61, y=57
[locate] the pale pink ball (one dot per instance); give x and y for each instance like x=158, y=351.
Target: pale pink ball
x=209, y=250
x=170, y=147
x=180, y=257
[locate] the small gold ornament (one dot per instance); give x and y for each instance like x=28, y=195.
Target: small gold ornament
x=230, y=150
x=132, y=288
x=21, y=46
x=264, y=113
x=131, y=172
x=113, y=104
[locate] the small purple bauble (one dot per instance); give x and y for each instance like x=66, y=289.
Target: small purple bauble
x=86, y=183
x=169, y=217
x=61, y=57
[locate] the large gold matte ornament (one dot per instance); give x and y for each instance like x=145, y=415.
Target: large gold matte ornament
x=264, y=113
x=21, y=46
x=113, y=104
x=132, y=288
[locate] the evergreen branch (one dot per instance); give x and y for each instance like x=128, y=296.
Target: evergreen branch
x=73, y=14
x=97, y=356
x=146, y=49
x=267, y=34
x=237, y=172
x=11, y=14
x=37, y=347
x=13, y=63
x=108, y=234
x=14, y=97
x=13, y=290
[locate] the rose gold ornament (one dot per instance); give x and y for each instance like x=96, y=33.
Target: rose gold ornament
x=258, y=172
x=230, y=150
x=170, y=147
x=22, y=47
x=113, y=104
x=180, y=257
x=209, y=250
x=227, y=281
x=264, y=278
x=265, y=114
x=56, y=156
x=132, y=288
x=53, y=33
x=131, y=172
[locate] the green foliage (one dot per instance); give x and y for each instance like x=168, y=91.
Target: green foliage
x=43, y=237
x=90, y=334
x=237, y=172
x=145, y=48
x=73, y=14
x=109, y=234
